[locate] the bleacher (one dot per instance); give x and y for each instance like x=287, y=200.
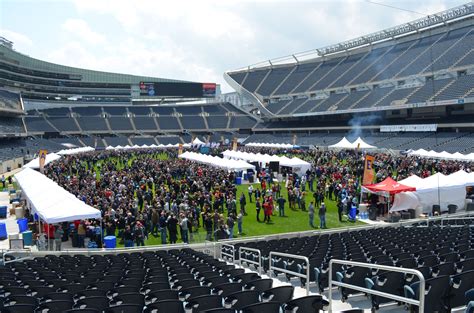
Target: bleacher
x=443, y=255
x=11, y=125
x=432, y=52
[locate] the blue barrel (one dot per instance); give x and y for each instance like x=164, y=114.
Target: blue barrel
x=238, y=180
x=245, y=176
x=27, y=238
x=22, y=224
x=3, y=231
x=3, y=211
x=110, y=242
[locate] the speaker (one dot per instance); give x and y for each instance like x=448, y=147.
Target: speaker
x=274, y=166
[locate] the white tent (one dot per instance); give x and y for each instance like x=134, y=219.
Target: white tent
x=51, y=202
x=443, y=155
x=361, y=144
x=343, y=144
x=197, y=142
x=270, y=145
x=437, y=189
x=50, y=157
x=229, y=164
x=75, y=150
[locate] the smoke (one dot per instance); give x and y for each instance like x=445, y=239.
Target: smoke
x=357, y=121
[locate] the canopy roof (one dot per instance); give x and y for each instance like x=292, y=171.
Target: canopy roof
x=152, y=146
x=389, y=186
x=357, y=144
x=51, y=202
x=442, y=155
x=50, y=157
x=343, y=144
x=269, y=145
x=229, y=164
x=75, y=150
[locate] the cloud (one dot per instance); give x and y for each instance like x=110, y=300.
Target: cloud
x=80, y=29
x=21, y=41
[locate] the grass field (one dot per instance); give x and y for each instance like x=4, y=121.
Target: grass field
x=293, y=221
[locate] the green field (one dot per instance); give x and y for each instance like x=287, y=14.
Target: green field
x=293, y=221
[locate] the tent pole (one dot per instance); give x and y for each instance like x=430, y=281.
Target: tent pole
x=47, y=229
x=101, y=234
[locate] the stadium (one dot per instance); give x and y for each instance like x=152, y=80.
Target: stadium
x=338, y=179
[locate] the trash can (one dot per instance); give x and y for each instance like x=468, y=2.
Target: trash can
x=3, y=231
x=238, y=180
x=27, y=238
x=15, y=236
x=110, y=242
x=245, y=176
x=22, y=224
x=3, y=211
x=19, y=212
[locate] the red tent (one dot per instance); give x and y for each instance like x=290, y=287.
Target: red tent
x=388, y=186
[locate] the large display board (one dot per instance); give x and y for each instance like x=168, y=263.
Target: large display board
x=183, y=90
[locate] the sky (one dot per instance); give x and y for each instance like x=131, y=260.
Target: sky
x=195, y=40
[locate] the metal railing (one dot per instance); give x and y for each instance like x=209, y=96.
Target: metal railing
x=420, y=303
x=250, y=261
x=291, y=256
x=229, y=255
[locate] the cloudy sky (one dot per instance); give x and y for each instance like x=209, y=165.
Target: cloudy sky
x=192, y=40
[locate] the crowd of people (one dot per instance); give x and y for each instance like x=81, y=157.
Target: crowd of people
x=142, y=195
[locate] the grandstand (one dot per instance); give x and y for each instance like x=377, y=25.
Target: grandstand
x=432, y=66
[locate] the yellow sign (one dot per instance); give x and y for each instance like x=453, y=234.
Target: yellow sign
x=42, y=159
x=180, y=149
x=234, y=144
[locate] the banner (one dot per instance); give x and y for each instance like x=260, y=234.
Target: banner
x=234, y=144
x=180, y=149
x=368, y=170
x=42, y=159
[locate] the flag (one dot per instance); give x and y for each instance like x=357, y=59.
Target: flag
x=180, y=149
x=42, y=159
x=368, y=170
x=234, y=144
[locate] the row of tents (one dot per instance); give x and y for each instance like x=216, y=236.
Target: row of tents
x=421, y=194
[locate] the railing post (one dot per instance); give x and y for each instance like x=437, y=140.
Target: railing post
x=298, y=257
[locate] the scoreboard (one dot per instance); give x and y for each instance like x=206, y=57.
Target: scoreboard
x=183, y=90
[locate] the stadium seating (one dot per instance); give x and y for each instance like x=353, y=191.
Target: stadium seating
x=137, y=281
x=444, y=251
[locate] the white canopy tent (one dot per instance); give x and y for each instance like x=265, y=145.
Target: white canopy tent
x=152, y=146
x=197, y=142
x=343, y=144
x=75, y=150
x=437, y=189
x=270, y=145
x=50, y=157
x=229, y=164
x=361, y=144
x=442, y=155
x=299, y=166
x=51, y=202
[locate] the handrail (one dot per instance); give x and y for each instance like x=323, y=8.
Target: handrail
x=231, y=256
x=454, y=219
x=259, y=254
x=420, y=303
x=292, y=256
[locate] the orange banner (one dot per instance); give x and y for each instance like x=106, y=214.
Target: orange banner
x=42, y=159
x=368, y=170
x=180, y=149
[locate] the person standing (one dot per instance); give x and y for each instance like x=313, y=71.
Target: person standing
x=230, y=225
x=173, y=228
x=208, y=226
x=81, y=234
x=281, y=206
x=250, y=191
x=184, y=228
x=139, y=234
x=163, y=226
x=239, y=223
x=243, y=202
x=322, y=215
x=340, y=209
x=311, y=214
x=58, y=235
x=154, y=222
x=128, y=237
x=258, y=207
